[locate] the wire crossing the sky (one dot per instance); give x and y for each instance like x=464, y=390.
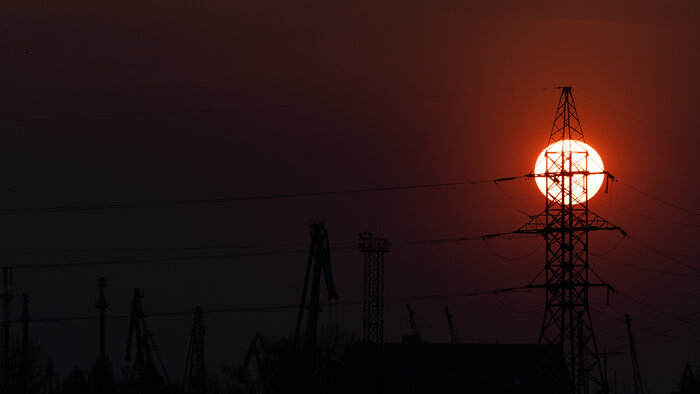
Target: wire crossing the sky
x=519, y=289
x=670, y=204
x=225, y=256
x=260, y=197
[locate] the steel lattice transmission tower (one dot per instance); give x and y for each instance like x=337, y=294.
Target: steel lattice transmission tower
x=373, y=308
x=565, y=225
x=194, y=381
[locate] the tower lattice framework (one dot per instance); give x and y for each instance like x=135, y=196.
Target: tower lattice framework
x=565, y=224
x=373, y=309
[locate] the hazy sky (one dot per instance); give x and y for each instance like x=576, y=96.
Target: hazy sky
x=143, y=101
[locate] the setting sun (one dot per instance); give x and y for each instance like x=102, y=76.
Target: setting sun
x=569, y=156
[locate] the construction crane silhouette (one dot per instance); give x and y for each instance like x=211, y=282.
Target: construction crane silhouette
x=142, y=374
x=194, y=380
x=636, y=373
x=415, y=333
x=258, y=350
x=450, y=325
x=319, y=262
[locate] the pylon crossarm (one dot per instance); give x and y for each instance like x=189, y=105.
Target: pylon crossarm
x=538, y=225
x=598, y=223
x=534, y=225
x=557, y=174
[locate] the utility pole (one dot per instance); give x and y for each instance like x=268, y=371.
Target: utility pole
x=637, y=375
x=194, y=381
x=450, y=325
x=373, y=309
x=5, y=327
x=565, y=225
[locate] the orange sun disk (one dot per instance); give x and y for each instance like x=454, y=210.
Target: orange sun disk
x=574, y=155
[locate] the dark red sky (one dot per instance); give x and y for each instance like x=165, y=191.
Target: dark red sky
x=432, y=92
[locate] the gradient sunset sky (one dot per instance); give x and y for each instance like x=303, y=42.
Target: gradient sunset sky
x=113, y=101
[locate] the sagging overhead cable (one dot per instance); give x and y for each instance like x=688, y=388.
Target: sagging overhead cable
x=260, y=197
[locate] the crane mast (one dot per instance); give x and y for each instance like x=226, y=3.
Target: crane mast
x=143, y=372
x=450, y=325
x=637, y=375
x=318, y=263
x=412, y=321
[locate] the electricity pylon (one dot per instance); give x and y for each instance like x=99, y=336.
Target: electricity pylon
x=565, y=225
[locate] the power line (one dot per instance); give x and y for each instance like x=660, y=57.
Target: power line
x=660, y=253
x=520, y=289
x=658, y=329
x=643, y=328
x=223, y=256
x=250, y=247
x=614, y=247
x=261, y=197
x=528, y=254
x=670, y=304
x=658, y=310
x=515, y=310
x=514, y=197
x=655, y=331
x=151, y=260
x=670, y=204
x=650, y=216
x=649, y=269
x=152, y=249
x=670, y=328
x=646, y=250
